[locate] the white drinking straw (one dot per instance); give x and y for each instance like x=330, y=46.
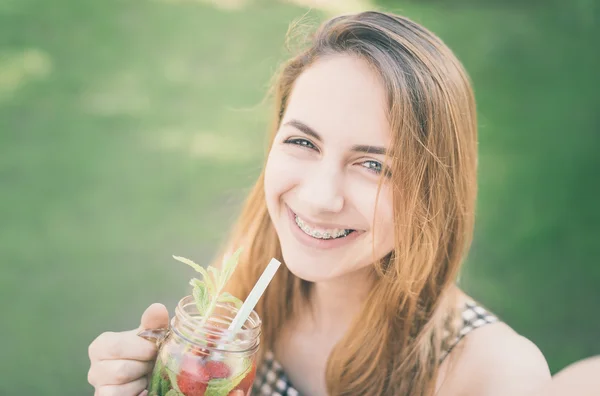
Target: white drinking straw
x=254, y=296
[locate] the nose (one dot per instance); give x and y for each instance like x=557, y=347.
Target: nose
x=322, y=189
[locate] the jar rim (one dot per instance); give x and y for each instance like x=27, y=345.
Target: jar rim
x=250, y=331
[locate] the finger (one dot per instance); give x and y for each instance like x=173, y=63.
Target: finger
x=155, y=316
x=125, y=345
x=117, y=372
x=130, y=389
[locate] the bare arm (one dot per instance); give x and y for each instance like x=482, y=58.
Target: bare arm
x=579, y=379
x=493, y=361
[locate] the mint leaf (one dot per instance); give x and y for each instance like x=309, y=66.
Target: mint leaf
x=209, y=291
x=229, y=266
x=219, y=387
x=155, y=383
x=173, y=379
x=222, y=387
x=227, y=297
x=207, y=282
x=156, y=376
x=173, y=392
x=165, y=386
x=189, y=262
x=215, y=273
x=201, y=293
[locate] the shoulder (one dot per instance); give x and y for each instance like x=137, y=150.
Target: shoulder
x=493, y=360
x=580, y=378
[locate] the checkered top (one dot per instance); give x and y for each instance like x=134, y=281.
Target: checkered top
x=271, y=379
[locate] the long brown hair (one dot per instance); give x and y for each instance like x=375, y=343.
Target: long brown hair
x=432, y=117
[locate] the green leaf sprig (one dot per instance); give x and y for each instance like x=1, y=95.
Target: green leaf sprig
x=208, y=291
x=222, y=386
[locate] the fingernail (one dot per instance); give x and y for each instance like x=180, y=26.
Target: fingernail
x=144, y=393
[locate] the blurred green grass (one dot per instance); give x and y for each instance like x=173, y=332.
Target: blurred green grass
x=130, y=131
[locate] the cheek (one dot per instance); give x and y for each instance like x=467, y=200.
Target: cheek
x=371, y=205
x=384, y=222
x=378, y=209
x=280, y=175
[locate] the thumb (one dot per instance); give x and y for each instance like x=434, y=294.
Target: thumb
x=155, y=316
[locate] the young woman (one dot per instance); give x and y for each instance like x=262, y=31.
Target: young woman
x=368, y=197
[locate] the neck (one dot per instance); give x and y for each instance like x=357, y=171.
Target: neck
x=335, y=303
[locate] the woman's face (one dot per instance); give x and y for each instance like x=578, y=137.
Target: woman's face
x=323, y=170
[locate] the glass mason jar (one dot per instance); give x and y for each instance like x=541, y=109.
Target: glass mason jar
x=200, y=357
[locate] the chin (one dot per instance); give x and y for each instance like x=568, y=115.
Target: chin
x=315, y=266
x=311, y=273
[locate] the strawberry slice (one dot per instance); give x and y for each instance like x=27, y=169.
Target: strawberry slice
x=193, y=377
x=218, y=369
x=190, y=387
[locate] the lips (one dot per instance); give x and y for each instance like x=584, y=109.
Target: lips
x=321, y=232
x=320, y=235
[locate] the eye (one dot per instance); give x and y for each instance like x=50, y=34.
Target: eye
x=301, y=142
x=376, y=167
x=373, y=166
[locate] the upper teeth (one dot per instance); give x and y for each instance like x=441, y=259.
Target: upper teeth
x=321, y=233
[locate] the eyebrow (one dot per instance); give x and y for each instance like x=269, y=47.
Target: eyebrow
x=302, y=127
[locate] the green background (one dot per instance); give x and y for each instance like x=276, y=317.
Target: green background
x=131, y=130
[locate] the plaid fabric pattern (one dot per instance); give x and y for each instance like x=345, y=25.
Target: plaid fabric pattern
x=473, y=317
x=271, y=380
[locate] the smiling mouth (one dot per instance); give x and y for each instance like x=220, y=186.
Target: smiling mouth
x=322, y=233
